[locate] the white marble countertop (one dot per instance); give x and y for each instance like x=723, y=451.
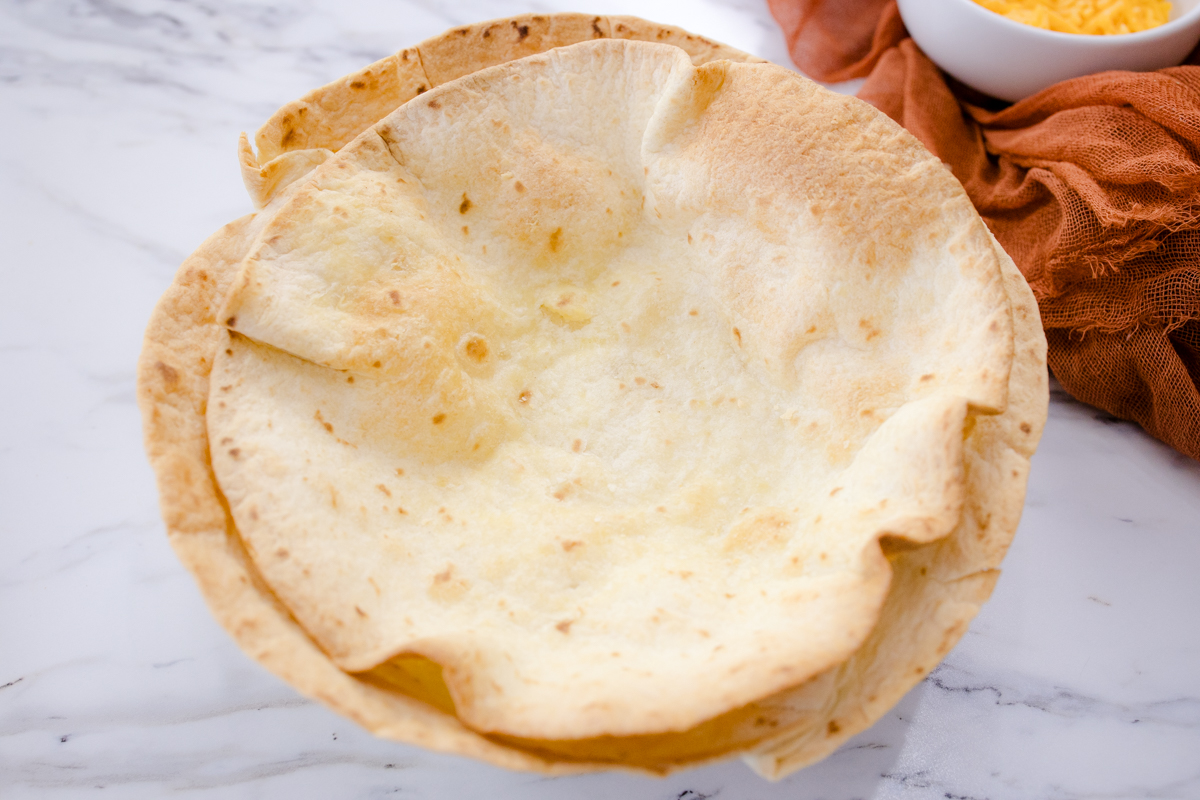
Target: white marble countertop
x=1081, y=678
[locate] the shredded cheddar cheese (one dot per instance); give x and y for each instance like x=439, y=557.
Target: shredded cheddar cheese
x=1084, y=16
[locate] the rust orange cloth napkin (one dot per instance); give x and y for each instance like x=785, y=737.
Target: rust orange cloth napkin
x=1092, y=186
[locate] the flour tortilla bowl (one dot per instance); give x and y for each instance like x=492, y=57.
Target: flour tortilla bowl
x=566, y=417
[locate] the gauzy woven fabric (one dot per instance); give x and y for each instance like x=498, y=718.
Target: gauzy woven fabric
x=1092, y=186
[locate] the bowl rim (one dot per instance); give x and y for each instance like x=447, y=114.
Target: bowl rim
x=1085, y=39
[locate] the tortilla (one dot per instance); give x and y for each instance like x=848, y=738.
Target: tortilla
x=500, y=448
x=302, y=134
x=799, y=711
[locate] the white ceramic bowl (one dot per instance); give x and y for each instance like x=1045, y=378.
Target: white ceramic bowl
x=1009, y=60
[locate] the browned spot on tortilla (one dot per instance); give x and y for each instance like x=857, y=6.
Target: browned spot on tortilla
x=833, y=727
x=737, y=335
x=576, y=445
x=1025, y=427
x=169, y=374
x=476, y=349
x=524, y=396
x=520, y=187
x=384, y=489
x=465, y=205
x=556, y=240
x=769, y=528
x=438, y=419
x=571, y=544
x=565, y=626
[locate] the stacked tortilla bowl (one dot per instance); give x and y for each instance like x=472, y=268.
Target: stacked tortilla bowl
x=586, y=394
